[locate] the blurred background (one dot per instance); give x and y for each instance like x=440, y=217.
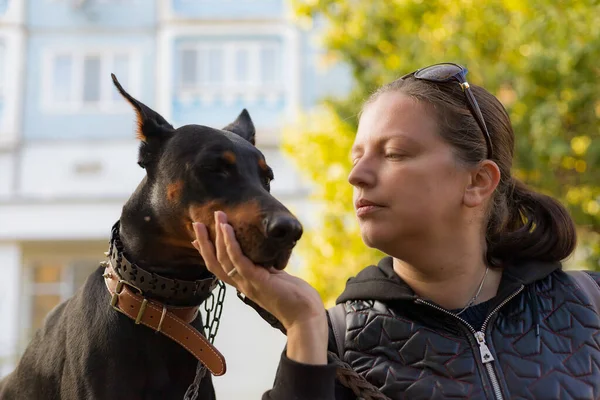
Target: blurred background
x=302, y=68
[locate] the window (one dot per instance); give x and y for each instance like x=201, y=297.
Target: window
x=241, y=62
x=115, y=1
x=230, y=69
x=61, y=79
x=80, y=81
x=271, y=70
x=91, y=79
x=189, y=68
x=3, y=80
x=50, y=283
x=2, y=69
x=83, y=2
x=122, y=70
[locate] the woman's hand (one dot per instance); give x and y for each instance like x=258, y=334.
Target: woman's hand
x=295, y=303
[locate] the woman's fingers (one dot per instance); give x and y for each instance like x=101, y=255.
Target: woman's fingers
x=225, y=258
x=234, y=251
x=207, y=251
x=204, y=245
x=291, y=300
x=220, y=248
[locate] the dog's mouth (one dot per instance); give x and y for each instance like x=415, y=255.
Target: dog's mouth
x=278, y=262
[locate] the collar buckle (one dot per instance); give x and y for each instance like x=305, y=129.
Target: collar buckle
x=119, y=289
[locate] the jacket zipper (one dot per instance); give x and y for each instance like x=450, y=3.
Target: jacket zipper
x=484, y=351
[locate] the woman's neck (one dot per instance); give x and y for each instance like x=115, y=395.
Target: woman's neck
x=450, y=284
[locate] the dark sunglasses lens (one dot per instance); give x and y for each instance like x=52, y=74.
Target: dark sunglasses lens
x=440, y=72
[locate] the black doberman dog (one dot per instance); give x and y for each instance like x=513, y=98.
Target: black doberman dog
x=90, y=347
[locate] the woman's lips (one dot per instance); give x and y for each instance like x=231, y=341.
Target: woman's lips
x=366, y=210
x=365, y=207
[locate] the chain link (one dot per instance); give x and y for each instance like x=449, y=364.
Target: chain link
x=192, y=391
x=211, y=327
x=213, y=313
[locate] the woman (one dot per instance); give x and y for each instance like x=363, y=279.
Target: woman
x=471, y=301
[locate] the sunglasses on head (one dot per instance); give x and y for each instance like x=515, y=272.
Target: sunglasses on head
x=446, y=72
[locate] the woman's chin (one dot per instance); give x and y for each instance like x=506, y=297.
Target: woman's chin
x=375, y=239
x=386, y=241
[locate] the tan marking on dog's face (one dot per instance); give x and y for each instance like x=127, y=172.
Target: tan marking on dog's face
x=262, y=164
x=229, y=157
x=245, y=218
x=174, y=191
x=247, y=222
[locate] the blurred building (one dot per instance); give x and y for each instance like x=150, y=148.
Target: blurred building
x=67, y=148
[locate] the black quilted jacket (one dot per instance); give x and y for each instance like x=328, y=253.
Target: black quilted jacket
x=541, y=340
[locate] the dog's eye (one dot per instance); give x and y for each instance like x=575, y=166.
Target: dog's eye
x=266, y=181
x=215, y=169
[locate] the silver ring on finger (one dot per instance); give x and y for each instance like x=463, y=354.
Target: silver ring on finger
x=232, y=272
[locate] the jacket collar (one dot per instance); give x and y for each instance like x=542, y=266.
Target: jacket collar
x=380, y=282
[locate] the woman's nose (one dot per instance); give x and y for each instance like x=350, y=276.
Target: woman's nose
x=362, y=174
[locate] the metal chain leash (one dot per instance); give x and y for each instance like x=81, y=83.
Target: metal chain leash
x=192, y=392
x=213, y=312
x=211, y=327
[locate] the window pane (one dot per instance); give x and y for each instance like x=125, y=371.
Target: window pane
x=215, y=66
x=41, y=305
x=202, y=66
x=2, y=67
x=270, y=71
x=91, y=79
x=61, y=79
x=241, y=65
x=189, y=68
x=47, y=273
x=121, y=70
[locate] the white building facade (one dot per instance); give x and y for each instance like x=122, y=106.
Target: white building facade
x=68, y=153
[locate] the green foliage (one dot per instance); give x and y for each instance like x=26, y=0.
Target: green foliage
x=539, y=57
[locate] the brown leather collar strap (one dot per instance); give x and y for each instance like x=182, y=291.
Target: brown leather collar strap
x=173, y=322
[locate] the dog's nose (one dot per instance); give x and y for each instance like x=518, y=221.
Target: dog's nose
x=283, y=228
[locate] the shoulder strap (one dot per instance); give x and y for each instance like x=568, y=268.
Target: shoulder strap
x=337, y=316
x=589, y=286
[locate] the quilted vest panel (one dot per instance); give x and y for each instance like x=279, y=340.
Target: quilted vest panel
x=408, y=360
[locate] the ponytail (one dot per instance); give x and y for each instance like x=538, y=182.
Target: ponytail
x=527, y=225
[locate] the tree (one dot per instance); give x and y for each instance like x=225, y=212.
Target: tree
x=539, y=57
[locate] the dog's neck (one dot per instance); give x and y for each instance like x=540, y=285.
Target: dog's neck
x=147, y=244
x=155, y=255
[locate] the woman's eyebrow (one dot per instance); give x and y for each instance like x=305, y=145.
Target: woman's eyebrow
x=401, y=136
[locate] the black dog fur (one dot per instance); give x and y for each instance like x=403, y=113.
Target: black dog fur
x=86, y=349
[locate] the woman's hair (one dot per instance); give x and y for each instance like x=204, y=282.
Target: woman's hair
x=522, y=224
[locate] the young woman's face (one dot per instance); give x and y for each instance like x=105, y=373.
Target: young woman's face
x=408, y=185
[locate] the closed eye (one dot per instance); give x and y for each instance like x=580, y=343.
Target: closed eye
x=267, y=178
x=216, y=167
x=395, y=156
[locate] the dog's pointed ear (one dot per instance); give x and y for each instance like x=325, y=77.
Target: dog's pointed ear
x=243, y=126
x=152, y=128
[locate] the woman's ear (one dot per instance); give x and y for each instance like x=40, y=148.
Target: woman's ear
x=483, y=182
